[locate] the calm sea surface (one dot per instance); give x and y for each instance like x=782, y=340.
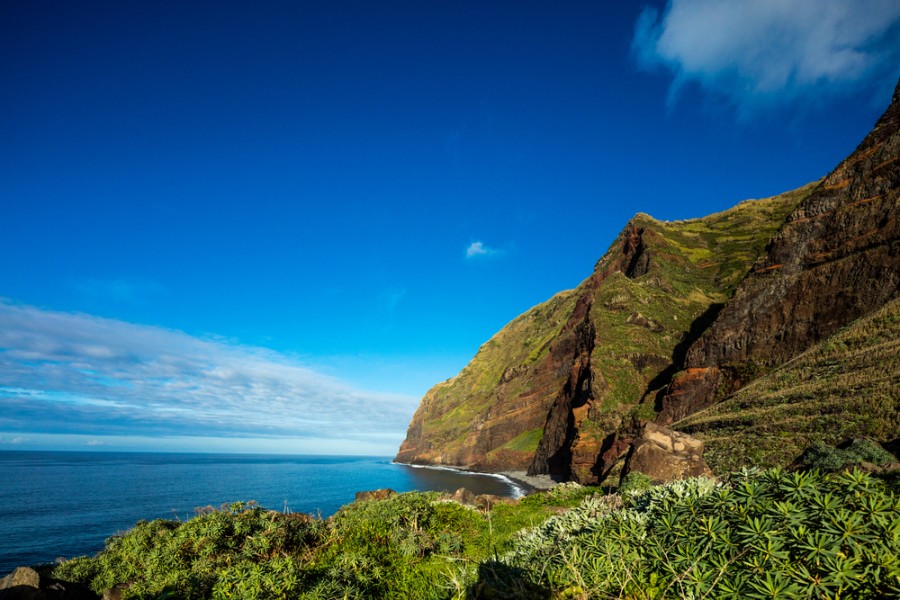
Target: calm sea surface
x=64, y=504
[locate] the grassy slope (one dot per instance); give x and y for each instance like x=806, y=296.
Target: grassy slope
x=694, y=264
x=845, y=387
x=453, y=406
x=639, y=322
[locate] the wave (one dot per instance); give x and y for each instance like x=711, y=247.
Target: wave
x=518, y=491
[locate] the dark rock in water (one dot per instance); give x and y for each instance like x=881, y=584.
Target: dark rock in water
x=375, y=495
x=665, y=455
x=26, y=583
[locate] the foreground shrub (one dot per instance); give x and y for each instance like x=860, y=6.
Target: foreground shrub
x=758, y=535
x=241, y=550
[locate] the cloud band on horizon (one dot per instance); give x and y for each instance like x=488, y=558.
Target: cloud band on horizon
x=71, y=373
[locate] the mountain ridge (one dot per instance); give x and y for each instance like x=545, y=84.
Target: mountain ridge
x=675, y=317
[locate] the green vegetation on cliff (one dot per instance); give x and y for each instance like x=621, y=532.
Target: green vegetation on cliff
x=616, y=337
x=753, y=535
x=845, y=387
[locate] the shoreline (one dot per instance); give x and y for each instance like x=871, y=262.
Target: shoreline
x=522, y=483
x=537, y=483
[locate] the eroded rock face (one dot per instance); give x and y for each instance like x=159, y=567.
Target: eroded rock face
x=836, y=258
x=692, y=390
x=665, y=455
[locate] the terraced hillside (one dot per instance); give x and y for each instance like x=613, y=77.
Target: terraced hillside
x=843, y=388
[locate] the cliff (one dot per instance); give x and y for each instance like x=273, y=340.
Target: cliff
x=677, y=318
x=836, y=258
x=547, y=390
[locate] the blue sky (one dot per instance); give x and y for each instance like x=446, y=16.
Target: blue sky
x=227, y=227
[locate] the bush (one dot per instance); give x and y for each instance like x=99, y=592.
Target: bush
x=765, y=534
x=635, y=482
x=241, y=549
x=759, y=535
x=828, y=458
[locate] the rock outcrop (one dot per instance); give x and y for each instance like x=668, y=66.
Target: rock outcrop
x=25, y=583
x=665, y=455
x=381, y=494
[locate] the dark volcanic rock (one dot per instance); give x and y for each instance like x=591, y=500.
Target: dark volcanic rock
x=690, y=391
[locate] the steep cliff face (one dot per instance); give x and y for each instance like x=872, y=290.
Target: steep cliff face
x=836, y=258
x=548, y=391
x=675, y=318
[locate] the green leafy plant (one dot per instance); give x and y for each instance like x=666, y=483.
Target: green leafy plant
x=754, y=534
x=764, y=534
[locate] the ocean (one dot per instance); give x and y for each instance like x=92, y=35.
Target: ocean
x=65, y=504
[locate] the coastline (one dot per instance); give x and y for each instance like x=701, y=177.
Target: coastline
x=535, y=482
x=521, y=482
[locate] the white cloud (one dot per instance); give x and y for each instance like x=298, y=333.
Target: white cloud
x=765, y=51
x=476, y=249
x=67, y=373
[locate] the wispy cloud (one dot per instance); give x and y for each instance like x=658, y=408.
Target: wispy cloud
x=15, y=441
x=68, y=373
x=763, y=52
x=476, y=249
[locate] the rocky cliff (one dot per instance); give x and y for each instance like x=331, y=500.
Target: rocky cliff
x=675, y=318
x=836, y=258
x=548, y=390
